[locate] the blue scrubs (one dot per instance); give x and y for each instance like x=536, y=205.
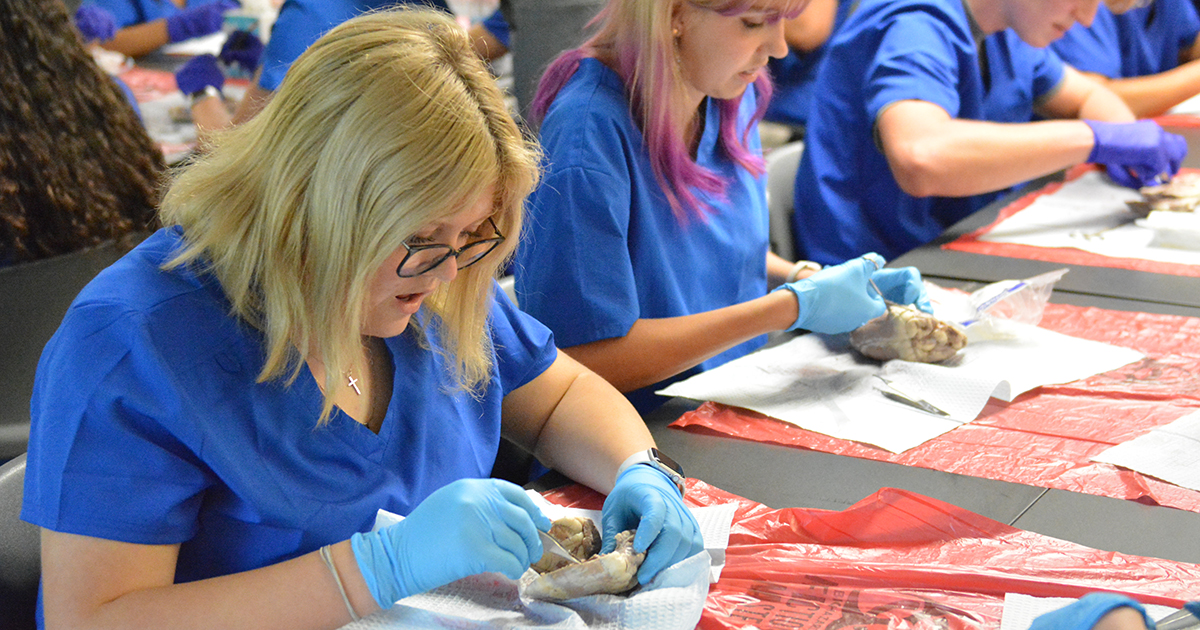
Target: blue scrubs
x=302, y=22
x=847, y=201
x=1136, y=43
x=149, y=427
x=132, y=12
x=602, y=246
x=793, y=77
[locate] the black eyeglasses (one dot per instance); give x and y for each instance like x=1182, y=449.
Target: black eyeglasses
x=425, y=258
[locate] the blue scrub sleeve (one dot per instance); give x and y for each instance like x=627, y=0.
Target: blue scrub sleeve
x=498, y=27
x=584, y=288
x=524, y=346
x=298, y=25
x=101, y=389
x=914, y=61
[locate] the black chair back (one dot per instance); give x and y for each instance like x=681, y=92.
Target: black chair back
x=20, y=552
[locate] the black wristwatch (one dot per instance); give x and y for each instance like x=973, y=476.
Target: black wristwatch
x=657, y=459
x=209, y=90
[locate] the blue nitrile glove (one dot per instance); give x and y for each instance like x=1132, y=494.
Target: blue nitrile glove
x=198, y=21
x=242, y=49
x=838, y=299
x=200, y=71
x=1084, y=614
x=467, y=527
x=95, y=23
x=903, y=286
x=648, y=500
x=1193, y=607
x=1138, y=153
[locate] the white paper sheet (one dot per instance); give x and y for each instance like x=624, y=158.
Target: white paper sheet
x=1089, y=213
x=818, y=383
x=1170, y=453
x=1020, y=610
x=1190, y=107
x=673, y=600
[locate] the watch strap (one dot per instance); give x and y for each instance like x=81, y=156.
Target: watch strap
x=656, y=459
x=209, y=90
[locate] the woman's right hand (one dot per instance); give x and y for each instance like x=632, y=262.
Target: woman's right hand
x=467, y=527
x=838, y=299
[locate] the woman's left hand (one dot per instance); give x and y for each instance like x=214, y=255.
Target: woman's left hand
x=666, y=531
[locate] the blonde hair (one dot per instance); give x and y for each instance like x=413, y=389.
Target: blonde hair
x=387, y=123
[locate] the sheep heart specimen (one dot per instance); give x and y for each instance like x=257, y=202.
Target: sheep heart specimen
x=578, y=535
x=614, y=572
x=908, y=334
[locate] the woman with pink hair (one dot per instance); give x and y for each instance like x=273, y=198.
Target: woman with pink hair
x=646, y=248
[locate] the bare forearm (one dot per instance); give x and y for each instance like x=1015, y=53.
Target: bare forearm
x=139, y=39
x=300, y=593
x=591, y=431
x=959, y=158
x=1153, y=95
x=655, y=349
x=255, y=99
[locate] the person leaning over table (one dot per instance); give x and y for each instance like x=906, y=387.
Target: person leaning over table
x=315, y=337
x=924, y=118
x=647, y=250
x=1149, y=55
x=144, y=26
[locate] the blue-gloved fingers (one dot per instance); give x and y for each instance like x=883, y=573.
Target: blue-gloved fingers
x=903, y=286
x=1193, y=607
x=516, y=495
x=647, y=500
x=1084, y=614
x=876, y=260
x=838, y=299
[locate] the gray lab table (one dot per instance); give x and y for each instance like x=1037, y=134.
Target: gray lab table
x=780, y=476
x=937, y=263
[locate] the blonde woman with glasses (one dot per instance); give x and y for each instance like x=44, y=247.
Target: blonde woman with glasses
x=316, y=336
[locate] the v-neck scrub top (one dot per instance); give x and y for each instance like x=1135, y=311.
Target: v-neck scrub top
x=847, y=201
x=602, y=247
x=149, y=427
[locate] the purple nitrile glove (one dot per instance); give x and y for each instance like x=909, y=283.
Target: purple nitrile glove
x=242, y=49
x=95, y=24
x=1138, y=153
x=199, y=72
x=198, y=21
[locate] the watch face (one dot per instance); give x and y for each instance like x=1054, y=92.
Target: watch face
x=666, y=461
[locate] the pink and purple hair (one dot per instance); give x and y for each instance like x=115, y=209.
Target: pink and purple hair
x=635, y=37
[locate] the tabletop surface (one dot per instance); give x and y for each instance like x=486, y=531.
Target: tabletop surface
x=938, y=263
x=780, y=476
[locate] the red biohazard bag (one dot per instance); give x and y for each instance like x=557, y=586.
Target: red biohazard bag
x=899, y=560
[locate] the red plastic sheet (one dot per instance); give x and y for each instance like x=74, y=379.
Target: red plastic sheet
x=1065, y=255
x=1045, y=437
x=899, y=560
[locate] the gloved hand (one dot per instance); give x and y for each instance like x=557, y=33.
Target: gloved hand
x=1136, y=154
x=1084, y=614
x=903, y=286
x=198, y=72
x=646, y=499
x=242, y=49
x=838, y=299
x=198, y=21
x=467, y=527
x=95, y=23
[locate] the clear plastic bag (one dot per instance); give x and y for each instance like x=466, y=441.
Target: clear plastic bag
x=1021, y=301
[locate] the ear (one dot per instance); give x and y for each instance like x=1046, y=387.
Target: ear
x=677, y=16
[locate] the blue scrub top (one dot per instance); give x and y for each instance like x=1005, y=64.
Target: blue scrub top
x=793, y=77
x=847, y=201
x=602, y=246
x=132, y=12
x=1136, y=43
x=149, y=427
x=302, y=22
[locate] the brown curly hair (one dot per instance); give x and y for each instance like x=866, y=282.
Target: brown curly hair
x=77, y=167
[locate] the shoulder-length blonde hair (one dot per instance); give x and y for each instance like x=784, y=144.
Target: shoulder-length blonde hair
x=387, y=123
